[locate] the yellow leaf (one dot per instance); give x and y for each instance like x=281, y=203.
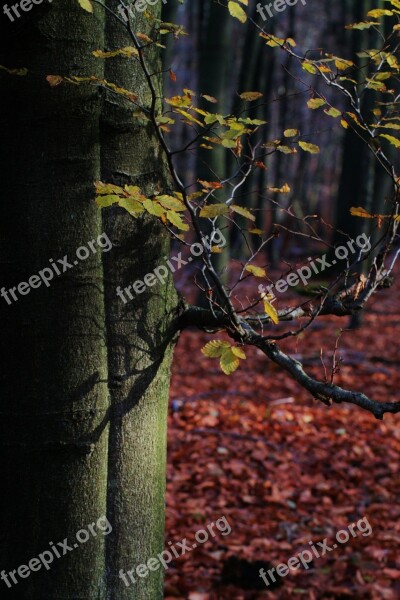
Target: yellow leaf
x=291, y=132
x=311, y=148
x=360, y=212
x=242, y=211
x=251, y=96
x=108, y=188
x=171, y=203
x=128, y=52
x=229, y=362
x=314, y=103
x=189, y=117
x=362, y=25
x=215, y=348
x=238, y=352
x=109, y=200
x=270, y=310
x=286, y=150
x=285, y=189
x=237, y=11
x=306, y=66
x=176, y=220
x=153, y=208
x=332, y=112
x=394, y=141
x=213, y=210
x=132, y=205
x=256, y=271
x=86, y=5
x=379, y=12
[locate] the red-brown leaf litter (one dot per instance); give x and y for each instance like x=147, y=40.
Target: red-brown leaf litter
x=285, y=469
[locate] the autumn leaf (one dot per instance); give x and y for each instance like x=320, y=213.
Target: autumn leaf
x=214, y=210
x=311, y=148
x=314, y=103
x=237, y=11
x=86, y=5
x=215, y=348
x=251, y=96
x=127, y=52
x=176, y=220
x=229, y=362
x=360, y=212
x=291, y=133
x=394, y=141
x=209, y=98
x=54, y=80
x=244, y=212
x=270, y=310
x=212, y=185
x=256, y=271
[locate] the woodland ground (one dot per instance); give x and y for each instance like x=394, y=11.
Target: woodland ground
x=283, y=468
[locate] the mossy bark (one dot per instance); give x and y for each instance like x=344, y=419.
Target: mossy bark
x=84, y=384
x=138, y=334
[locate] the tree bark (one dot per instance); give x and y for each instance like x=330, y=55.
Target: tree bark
x=85, y=377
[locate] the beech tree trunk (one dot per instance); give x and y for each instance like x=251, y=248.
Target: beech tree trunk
x=84, y=382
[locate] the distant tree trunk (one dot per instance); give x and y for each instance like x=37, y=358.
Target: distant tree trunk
x=84, y=377
x=214, y=71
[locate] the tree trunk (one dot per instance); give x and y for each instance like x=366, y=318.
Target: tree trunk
x=138, y=337
x=85, y=377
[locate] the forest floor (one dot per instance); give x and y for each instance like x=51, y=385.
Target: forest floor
x=284, y=469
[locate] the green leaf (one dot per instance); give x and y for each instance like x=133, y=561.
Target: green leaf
x=237, y=11
x=229, y=362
